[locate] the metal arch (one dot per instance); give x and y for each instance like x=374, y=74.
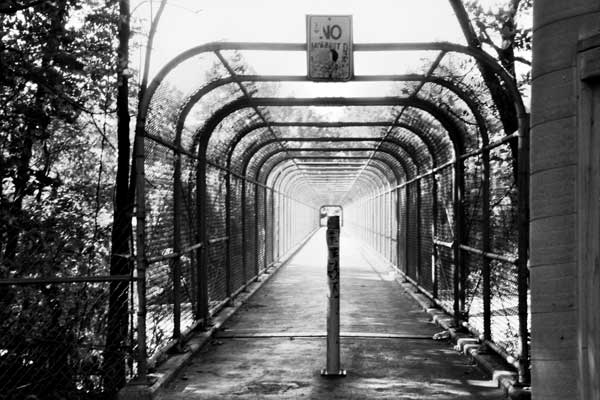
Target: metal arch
x=381, y=179
x=400, y=162
x=374, y=173
x=332, y=167
x=476, y=53
x=247, y=130
x=328, y=150
x=418, y=133
x=455, y=132
x=380, y=159
x=453, y=87
x=293, y=182
x=283, y=169
x=313, y=173
x=369, y=186
x=410, y=151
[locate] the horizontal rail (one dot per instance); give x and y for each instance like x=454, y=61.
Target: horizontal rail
x=74, y=279
x=486, y=254
x=174, y=255
x=218, y=240
x=441, y=243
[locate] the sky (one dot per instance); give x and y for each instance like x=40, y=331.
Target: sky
x=187, y=23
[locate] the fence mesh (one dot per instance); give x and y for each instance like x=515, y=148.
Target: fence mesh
x=430, y=260
x=54, y=340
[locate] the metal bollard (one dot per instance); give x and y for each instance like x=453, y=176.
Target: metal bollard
x=333, y=313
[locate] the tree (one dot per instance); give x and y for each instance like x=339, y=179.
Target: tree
x=502, y=32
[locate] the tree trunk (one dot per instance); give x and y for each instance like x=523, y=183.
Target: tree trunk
x=120, y=264
x=500, y=96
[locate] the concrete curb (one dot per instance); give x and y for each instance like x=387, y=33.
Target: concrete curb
x=167, y=371
x=488, y=362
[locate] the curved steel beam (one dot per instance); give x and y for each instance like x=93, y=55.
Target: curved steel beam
x=325, y=150
x=258, y=146
x=281, y=169
x=455, y=132
x=453, y=87
x=382, y=160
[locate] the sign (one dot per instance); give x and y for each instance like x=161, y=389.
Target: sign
x=329, y=47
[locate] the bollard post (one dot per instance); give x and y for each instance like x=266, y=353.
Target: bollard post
x=333, y=312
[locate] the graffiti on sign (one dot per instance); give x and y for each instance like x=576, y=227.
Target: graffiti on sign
x=329, y=47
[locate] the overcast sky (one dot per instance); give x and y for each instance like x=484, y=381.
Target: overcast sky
x=187, y=23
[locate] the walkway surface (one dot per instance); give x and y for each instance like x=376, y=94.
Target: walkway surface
x=274, y=347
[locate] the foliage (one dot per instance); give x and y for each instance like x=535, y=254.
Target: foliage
x=57, y=81
x=506, y=28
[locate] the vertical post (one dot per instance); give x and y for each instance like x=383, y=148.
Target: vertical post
x=458, y=189
x=256, y=232
x=486, y=273
x=275, y=225
x=333, y=312
x=202, y=204
x=176, y=265
x=434, y=253
x=523, y=256
x=266, y=225
x=244, y=236
x=141, y=261
x=407, y=225
x=419, y=260
x=228, y=233
x=398, y=228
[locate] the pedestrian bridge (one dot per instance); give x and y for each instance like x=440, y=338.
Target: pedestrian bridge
x=235, y=172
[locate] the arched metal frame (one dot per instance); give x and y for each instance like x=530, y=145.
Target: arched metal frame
x=203, y=136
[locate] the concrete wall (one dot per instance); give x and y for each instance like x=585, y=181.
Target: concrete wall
x=555, y=223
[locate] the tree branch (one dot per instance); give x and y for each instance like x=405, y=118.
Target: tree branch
x=17, y=6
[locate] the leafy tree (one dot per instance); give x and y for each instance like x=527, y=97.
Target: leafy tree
x=57, y=80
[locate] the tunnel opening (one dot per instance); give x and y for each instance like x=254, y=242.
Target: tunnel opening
x=424, y=177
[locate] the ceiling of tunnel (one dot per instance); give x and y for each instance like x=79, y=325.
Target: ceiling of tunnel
x=410, y=107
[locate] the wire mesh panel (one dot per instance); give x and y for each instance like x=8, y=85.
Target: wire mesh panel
x=504, y=241
x=188, y=222
x=159, y=241
x=269, y=232
x=425, y=232
x=473, y=308
x=473, y=206
x=260, y=228
x=504, y=307
x=412, y=228
x=402, y=229
x=53, y=340
x=249, y=231
x=444, y=230
x=236, y=245
x=216, y=190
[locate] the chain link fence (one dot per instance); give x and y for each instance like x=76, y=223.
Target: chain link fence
x=462, y=255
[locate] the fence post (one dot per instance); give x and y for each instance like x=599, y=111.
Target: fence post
x=419, y=258
x=256, y=232
x=203, y=259
x=434, y=253
x=265, y=225
x=176, y=265
x=244, y=236
x=523, y=271
x=228, y=233
x=333, y=312
x=486, y=273
x=458, y=191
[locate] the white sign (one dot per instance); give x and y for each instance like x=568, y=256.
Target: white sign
x=329, y=47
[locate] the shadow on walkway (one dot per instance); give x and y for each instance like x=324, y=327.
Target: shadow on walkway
x=274, y=347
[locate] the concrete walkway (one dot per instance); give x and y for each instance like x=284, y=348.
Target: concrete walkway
x=274, y=348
